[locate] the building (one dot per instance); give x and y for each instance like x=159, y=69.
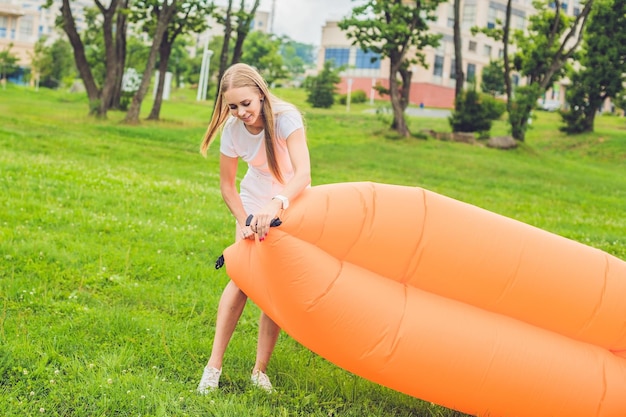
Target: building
x=434, y=86
x=24, y=22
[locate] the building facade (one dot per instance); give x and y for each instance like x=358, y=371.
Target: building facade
x=433, y=86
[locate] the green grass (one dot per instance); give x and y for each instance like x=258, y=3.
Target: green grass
x=108, y=235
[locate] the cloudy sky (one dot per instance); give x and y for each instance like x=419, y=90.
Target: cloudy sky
x=302, y=20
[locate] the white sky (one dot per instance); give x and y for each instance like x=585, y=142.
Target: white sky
x=302, y=20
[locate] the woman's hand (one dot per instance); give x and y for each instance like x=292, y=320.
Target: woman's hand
x=260, y=223
x=247, y=233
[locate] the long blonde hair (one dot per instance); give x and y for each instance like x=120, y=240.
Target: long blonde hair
x=237, y=76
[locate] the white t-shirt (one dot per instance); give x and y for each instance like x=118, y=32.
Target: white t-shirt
x=258, y=185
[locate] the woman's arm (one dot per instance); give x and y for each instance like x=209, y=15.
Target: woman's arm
x=301, y=163
x=228, y=187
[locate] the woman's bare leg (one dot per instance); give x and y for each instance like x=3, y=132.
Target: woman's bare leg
x=229, y=310
x=268, y=335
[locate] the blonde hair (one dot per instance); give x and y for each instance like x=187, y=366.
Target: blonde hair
x=242, y=75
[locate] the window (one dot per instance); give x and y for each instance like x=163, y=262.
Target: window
x=453, y=69
x=450, y=21
x=515, y=79
x=3, y=26
x=438, y=67
x=492, y=17
x=471, y=72
x=26, y=25
x=469, y=16
x=367, y=60
x=487, y=50
x=472, y=46
x=339, y=56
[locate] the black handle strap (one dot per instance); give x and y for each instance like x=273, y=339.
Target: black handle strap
x=219, y=262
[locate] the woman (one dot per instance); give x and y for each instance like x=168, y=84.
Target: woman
x=268, y=134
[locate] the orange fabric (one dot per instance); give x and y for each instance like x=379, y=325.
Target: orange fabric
x=444, y=301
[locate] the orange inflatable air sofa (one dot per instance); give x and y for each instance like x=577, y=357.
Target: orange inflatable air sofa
x=444, y=301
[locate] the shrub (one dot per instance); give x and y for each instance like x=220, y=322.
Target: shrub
x=471, y=114
x=357, y=96
x=322, y=88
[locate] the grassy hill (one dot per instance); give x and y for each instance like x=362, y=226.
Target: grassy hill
x=108, y=234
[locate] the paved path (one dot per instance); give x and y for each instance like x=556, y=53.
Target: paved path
x=416, y=111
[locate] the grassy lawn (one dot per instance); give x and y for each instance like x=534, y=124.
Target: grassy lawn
x=108, y=234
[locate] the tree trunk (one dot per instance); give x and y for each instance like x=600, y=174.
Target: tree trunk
x=228, y=29
x=243, y=28
x=165, y=51
x=399, y=122
x=507, y=63
x=110, y=56
x=165, y=14
x=458, y=54
x=120, y=55
x=82, y=65
x=405, y=89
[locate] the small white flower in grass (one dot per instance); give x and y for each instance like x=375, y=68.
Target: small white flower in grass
x=25, y=371
x=52, y=381
x=143, y=397
x=32, y=393
x=128, y=392
x=91, y=365
x=109, y=381
x=42, y=410
x=56, y=372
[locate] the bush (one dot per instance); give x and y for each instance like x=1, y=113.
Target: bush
x=322, y=88
x=473, y=112
x=357, y=96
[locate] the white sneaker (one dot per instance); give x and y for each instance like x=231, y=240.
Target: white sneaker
x=261, y=380
x=210, y=380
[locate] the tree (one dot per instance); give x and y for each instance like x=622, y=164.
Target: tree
x=52, y=63
x=189, y=17
x=243, y=26
x=541, y=54
x=162, y=12
x=322, y=88
x=603, y=66
x=458, y=54
x=243, y=20
x=262, y=51
x=398, y=30
x=297, y=54
x=8, y=63
x=100, y=99
x=492, y=79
